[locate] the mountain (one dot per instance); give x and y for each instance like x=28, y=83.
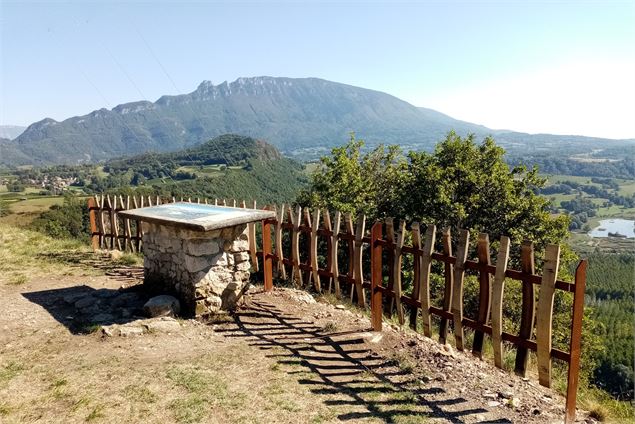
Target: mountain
x=303, y=117
x=11, y=131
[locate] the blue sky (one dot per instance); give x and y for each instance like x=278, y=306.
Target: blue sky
x=565, y=67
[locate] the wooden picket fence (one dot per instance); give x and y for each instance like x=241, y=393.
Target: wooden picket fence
x=316, y=242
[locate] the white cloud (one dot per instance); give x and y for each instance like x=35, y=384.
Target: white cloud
x=592, y=98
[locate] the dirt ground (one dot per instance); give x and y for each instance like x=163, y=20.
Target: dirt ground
x=283, y=357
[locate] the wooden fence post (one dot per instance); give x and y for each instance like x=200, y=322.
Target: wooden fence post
x=279, y=253
x=306, y=222
x=94, y=233
x=576, y=338
x=497, y=301
x=334, y=245
x=528, y=307
x=396, y=270
x=101, y=224
x=251, y=231
x=296, y=274
x=267, y=260
x=390, y=256
x=358, y=275
x=329, y=247
x=545, y=313
x=416, y=275
x=127, y=229
x=424, y=289
x=457, y=295
x=315, y=224
x=484, y=292
x=348, y=222
x=376, y=276
x=449, y=283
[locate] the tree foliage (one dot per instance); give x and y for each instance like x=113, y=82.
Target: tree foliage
x=461, y=184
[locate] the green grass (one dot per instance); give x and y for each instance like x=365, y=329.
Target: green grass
x=18, y=280
x=140, y=394
x=10, y=370
x=192, y=409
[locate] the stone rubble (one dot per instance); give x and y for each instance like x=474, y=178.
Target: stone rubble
x=162, y=306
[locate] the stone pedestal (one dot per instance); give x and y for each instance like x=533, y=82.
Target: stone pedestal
x=206, y=270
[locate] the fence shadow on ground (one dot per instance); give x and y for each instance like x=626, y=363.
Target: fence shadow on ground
x=339, y=366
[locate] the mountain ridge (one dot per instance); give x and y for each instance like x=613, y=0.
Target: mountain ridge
x=303, y=117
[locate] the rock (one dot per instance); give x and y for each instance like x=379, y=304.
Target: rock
x=340, y=307
x=127, y=331
x=163, y=305
x=448, y=348
x=493, y=404
x=163, y=326
x=513, y=403
x=375, y=338
x=197, y=263
x=202, y=247
x=116, y=255
x=488, y=395
x=243, y=266
x=84, y=302
x=110, y=330
x=306, y=298
x=506, y=395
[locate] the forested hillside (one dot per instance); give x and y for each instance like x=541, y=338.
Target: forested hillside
x=611, y=294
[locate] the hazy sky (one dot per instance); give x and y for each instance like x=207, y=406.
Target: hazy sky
x=564, y=67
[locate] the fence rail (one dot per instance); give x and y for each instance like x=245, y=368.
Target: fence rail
x=315, y=246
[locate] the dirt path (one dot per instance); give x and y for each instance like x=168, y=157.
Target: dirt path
x=283, y=358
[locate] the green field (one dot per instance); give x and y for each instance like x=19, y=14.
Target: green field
x=23, y=212
x=627, y=187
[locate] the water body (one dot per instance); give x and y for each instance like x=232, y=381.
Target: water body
x=621, y=226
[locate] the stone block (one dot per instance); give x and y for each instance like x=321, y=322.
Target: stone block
x=201, y=247
x=239, y=246
x=241, y=257
x=197, y=263
x=243, y=266
x=241, y=276
x=219, y=260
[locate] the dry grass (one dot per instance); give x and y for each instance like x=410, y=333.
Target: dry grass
x=25, y=254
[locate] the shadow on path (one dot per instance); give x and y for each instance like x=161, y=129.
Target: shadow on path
x=83, y=308
x=344, y=370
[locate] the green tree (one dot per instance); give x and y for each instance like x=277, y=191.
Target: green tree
x=460, y=185
x=350, y=181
